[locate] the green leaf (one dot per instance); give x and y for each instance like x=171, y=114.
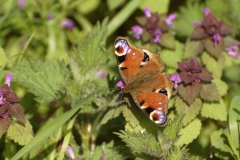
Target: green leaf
x=215, y=110
x=3, y=59
x=209, y=92
x=130, y=117
x=192, y=48
x=20, y=134
x=232, y=148
x=178, y=153
x=49, y=130
x=168, y=41
x=156, y=6
x=112, y=113
x=234, y=125
x=192, y=12
x=213, y=65
x=215, y=51
x=189, y=132
x=141, y=143
x=170, y=57
x=190, y=111
x=172, y=130
x=217, y=140
x=43, y=79
x=222, y=86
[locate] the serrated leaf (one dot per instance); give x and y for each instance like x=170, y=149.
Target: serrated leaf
x=20, y=134
x=189, y=92
x=218, y=141
x=222, y=86
x=172, y=130
x=191, y=12
x=129, y=116
x=43, y=79
x=4, y=125
x=16, y=111
x=190, y=111
x=209, y=92
x=213, y=65
x=178, y=153
x=112, y=113
x=215, y=51
x=192, y=48
x=215, y=110
x=141, y=143
x=168, y=41
x=189, y=132
x=170, y=57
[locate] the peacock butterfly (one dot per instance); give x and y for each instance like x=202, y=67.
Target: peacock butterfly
x=142, y=73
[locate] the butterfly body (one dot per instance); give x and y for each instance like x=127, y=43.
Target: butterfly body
x=142, y=73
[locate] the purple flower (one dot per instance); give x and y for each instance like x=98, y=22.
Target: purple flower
x=156, y=39
x=170, y=18
x=21, y=4
x=137, y=31
x=121, y=84
x=50, y=16
x=232, y=51
x=68, y=24
x=206, y=11
x=176, y=79
x=1, y=98
x=216, y=38
x=195, y=24
x=197, y=79
x=70, y=152
x=8, y=79
x=147, y=12
x=4, y=115
x=101, y=73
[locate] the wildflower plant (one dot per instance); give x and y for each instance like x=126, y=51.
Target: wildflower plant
x=61, y=96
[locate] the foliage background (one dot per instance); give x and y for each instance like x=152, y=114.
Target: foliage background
x=54, y=73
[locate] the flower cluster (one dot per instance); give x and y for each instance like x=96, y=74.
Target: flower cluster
x=191, y=80
x=211, y=32
x=152, y=27
x=9, y=106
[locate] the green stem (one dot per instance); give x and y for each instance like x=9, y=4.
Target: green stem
x=26, y=46
x=122, y=16
x=7, y=148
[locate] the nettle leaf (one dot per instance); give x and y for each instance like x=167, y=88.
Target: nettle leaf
x=172, y=130
x=213, y=65
x=43, y=79
x=189, y=92
x=4, y=125
x=20, y=134
x=141, y=143
x=170, y=57
x=167, y=40
x=222, y=86
x=218, y=141
x=215, y=110
x=112, y=113
x=189, y=132
x=16, y=111
x=209, y=92
x=192, y=48
x=129, y=116
x=178, y=153
x=90, y=52
x=190, y=111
